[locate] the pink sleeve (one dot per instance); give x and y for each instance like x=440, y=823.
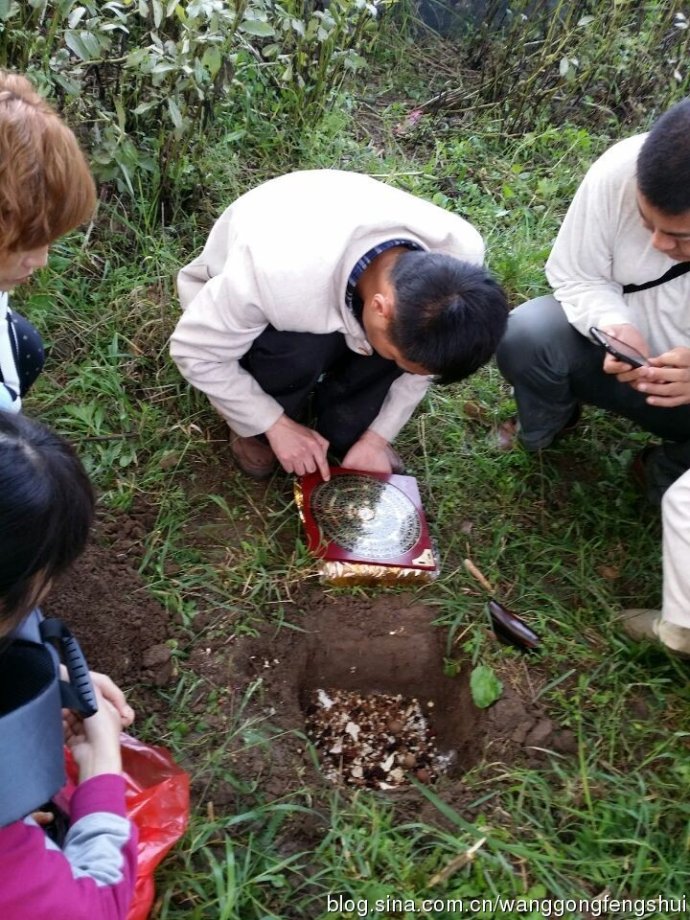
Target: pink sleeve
x=91, y=878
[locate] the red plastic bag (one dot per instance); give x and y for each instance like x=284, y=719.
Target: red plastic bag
x=157, y=797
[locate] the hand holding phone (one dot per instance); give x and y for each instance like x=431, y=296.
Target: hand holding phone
x=666, y=383
x=619, y=349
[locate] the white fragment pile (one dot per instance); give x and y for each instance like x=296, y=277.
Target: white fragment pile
x=376, y=741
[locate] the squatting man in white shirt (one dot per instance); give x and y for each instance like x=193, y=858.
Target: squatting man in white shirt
x=321, y=307
x=618, y=264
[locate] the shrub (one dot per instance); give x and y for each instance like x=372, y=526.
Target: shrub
x=145, y=80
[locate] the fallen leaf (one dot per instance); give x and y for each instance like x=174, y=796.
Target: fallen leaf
x=388, y=762
x=610, y=572
x=474, y=411
x=325, y=700
x=457, y=863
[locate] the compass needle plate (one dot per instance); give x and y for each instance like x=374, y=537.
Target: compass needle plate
x=366, y=519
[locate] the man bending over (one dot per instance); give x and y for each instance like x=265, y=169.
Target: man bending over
x=322, y=305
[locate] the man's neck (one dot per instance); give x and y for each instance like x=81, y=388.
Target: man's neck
x=378, y=270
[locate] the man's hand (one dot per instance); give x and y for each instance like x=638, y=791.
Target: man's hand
x=628, y=334
x=298, y=449
x=667, y=379
x=369, y=454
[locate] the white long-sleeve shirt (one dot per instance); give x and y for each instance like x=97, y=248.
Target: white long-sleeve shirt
x=282, y=255
x=10, y=387
x=603, y=245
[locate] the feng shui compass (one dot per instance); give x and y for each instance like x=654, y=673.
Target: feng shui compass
x=367, y=518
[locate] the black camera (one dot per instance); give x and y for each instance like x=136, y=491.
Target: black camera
x=32, y=696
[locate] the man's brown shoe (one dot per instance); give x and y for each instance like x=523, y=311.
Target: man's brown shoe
x=507, y=433
x=254, y=457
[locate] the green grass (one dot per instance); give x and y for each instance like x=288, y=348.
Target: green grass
x=564, y=538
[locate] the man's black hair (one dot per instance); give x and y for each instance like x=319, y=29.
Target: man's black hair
x=663, y=163
x=449, y=315
x=46, y=509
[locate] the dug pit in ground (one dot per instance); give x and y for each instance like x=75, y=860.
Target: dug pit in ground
x=385, y=644
x=374, y=740
x=261, y=682
x=400, y=654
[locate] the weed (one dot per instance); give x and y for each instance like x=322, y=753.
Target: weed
x=196, y=99
x=147, y=81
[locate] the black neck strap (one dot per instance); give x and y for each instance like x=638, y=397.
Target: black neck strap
x=680, y=268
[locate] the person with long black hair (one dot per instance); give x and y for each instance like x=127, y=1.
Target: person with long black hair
x=46, y=510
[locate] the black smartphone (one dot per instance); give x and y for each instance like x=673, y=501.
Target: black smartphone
x=618, y=349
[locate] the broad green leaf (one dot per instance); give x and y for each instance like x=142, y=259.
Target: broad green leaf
x=84, y=44
x=200, y=76
x=70, y=86
x=121, y=116
x=485, y=687
x=76, y=16
x=115, y=27
x=144, y=107
x=212, y=60
x=175, y=113
x=354, y=61
x=163, y=67
x=116, y=10
x=255, y=27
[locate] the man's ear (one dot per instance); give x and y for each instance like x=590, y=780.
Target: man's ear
x=382, y=306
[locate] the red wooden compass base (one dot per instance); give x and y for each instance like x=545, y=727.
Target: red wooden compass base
x=367, y=518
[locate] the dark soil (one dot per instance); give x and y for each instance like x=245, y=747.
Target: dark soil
x=104, y=601
x=382, y=643
x=258, y=688
x=385, y=644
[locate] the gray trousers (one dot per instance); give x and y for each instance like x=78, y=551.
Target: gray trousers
x=553, y=368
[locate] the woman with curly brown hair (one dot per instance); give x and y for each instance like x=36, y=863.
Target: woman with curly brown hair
x=46, y=189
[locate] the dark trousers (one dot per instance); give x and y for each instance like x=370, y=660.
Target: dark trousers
x=319, y=381
x=552, y=367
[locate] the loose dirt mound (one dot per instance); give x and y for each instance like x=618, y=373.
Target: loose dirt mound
x=104, y=601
